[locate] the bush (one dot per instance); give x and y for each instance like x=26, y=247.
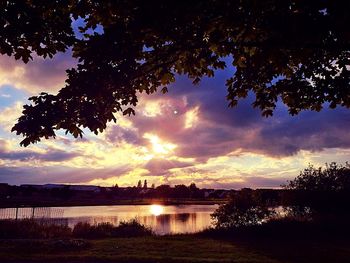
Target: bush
x=324, y=191
x=29, y=228
x=124, y=229
x=243, y=209
x=85, y=230
x=133, y=228
x=334, y=177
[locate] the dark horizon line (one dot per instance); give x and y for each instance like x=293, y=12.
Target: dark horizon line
x=57, y=185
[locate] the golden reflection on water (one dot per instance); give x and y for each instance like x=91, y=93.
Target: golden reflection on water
x=162, y=219
x=156, y=210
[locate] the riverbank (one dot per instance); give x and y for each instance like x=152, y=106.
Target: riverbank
x=276, y=242
x=67, y=203
x=176, y=248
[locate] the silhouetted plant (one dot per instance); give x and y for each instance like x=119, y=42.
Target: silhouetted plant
x=124, y=229
x=29, y=228
x=322, y=191
x=334, y=177
x=297, y=213
x=243, y=209
x=132, y=228
x=294, y=51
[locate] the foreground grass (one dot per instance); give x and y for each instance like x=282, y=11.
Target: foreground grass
x=283, y=240
x=177, y=248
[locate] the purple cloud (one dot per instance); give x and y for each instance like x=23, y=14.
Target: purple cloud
x=160, y=166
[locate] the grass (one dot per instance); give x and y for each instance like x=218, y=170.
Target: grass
x=178, y=248
x=275, y=242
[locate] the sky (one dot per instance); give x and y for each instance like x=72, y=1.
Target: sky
x=187, y=135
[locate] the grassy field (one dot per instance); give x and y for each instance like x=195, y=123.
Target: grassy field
x=177, y=248
x=141, y=249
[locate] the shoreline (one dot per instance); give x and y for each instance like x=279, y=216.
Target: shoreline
x=166, y=202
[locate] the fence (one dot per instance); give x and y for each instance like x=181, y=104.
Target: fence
x=50, y=215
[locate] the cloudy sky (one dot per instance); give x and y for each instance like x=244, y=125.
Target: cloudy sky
x=188, y=135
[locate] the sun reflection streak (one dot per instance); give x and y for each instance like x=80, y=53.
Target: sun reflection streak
x=156, y=210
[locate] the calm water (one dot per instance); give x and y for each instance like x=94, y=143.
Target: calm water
x=162, y=219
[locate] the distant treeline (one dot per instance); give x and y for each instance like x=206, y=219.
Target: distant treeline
x=52, y=194
x=315, y=188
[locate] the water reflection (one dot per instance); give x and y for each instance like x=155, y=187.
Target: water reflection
x=162, y=219
x=156, y=210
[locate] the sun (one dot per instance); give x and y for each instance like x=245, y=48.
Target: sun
x=159, y=146
x=156, y=210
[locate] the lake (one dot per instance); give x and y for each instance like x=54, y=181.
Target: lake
x=162, y=219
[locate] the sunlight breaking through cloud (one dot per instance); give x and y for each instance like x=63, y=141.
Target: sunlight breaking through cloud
x=159, y=147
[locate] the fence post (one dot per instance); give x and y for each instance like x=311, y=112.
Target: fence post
x=16, y=212
x=33, y=212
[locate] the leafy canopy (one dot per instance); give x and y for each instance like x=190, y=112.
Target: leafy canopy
x=334, y=177
x=296, y=51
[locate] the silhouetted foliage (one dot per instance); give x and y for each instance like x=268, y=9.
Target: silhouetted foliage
x=163, y=191
x=334, y=177
x=296, y=51
x=322, y=191
x=60, y=195
x=124, y=229
x=63, y=193
x=181, y=191
x=29, y=228
x=317, y=194
x=243, y=209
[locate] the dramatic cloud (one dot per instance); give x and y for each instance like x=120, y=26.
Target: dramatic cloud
x=38, y=75
x=162, y=166
x=202, y=126
x=9, y=116
x=55, y=174
x=188, y=135
x=50, y=155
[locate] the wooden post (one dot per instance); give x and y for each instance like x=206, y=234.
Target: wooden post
x=33, y=212
x=16, y=213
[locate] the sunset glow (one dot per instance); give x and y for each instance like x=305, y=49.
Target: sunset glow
x=159, y=146
x=177, y=138
x=156, y=210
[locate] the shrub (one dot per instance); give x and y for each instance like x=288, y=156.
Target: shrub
x=243, y=209
x=324, y=191
x=29, y=228
x=132, y=228
x=124, y=229
x=334, y=177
